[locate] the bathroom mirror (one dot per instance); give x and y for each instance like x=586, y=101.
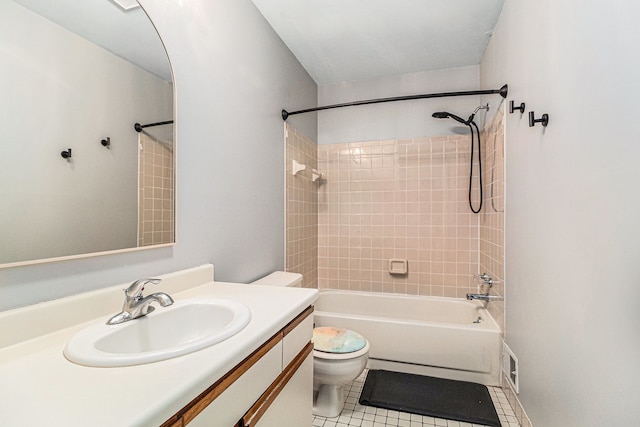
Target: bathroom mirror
x=77, y=179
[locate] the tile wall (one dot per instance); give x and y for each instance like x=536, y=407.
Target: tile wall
x=398, y=199
x=156, y=199
x=302, y=208
x=492, y=215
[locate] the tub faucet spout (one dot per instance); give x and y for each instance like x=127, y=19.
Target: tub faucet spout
x=483, y=297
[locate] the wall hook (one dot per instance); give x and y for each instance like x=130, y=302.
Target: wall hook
x=66, y=154
x=106, y=142
x=513, y=108
x=544, y=120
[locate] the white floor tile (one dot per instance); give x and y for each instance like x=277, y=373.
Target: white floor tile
x=356, y=415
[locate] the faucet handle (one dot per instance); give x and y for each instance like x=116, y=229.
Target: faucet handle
x=136, y=288
x=485, y=279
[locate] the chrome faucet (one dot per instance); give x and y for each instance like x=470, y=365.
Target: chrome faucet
x=135, y=305
x=485, y=279
x=483, y=297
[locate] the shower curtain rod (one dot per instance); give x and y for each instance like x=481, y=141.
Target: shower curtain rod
x=502, y=91
x=138, y=127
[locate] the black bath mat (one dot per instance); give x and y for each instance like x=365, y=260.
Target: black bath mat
x=434, y=397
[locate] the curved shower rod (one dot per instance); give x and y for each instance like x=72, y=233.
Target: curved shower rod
x=502, y=91
x=138, y=127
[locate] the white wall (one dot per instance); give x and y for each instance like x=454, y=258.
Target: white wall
x=233, y=75
x=396, y=120
x=572, y=202
x=63, y=92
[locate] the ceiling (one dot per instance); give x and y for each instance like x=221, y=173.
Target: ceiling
x=129, y=34
x=343, y=40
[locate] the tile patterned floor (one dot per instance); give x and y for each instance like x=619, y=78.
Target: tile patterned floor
x=356, y=415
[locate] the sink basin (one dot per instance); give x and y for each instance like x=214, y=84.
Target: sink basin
x=182, y=328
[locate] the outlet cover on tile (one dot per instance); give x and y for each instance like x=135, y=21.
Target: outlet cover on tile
x=398, y=266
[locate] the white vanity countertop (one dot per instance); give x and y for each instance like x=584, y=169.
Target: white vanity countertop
x=39, y=386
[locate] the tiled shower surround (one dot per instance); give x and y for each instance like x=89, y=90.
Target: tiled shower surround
x=492, y=215
x=397, y=199
x=302, y=208
x=155, y=205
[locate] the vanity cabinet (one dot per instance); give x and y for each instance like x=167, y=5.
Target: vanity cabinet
x=271, y=387
x=289, y=402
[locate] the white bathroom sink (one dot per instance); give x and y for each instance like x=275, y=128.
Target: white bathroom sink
x=167, y=332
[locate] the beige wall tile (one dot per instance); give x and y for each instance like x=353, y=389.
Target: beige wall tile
x=155, y=198
x=405, y=196
x=398, y=199
x=301, y=222
x=491, y=239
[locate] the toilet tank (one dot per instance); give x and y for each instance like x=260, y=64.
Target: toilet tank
x=281, y=278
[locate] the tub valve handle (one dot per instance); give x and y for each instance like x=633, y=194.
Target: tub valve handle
x=487, y=280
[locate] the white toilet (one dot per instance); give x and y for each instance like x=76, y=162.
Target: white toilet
x=339, y=356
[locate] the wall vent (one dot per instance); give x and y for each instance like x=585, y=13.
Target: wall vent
x=510, y=367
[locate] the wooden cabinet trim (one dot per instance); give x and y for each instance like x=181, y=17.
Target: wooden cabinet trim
x=295, y=322
x=197, y=405
x=256, y=412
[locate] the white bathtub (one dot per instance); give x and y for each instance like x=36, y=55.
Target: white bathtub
x=443, y=337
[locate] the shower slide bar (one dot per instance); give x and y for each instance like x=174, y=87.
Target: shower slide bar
x=138, y=127
x=502, y=91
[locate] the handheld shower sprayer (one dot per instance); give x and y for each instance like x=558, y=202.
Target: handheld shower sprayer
x=447, y=115
x=471, y=124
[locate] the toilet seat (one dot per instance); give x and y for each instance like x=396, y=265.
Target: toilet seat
x=336, y=343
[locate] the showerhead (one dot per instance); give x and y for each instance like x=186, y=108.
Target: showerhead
x=446, y=115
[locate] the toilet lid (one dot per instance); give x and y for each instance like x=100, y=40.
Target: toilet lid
x=336, y=340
